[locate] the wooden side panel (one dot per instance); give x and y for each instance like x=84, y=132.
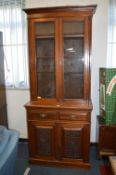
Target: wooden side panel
x=3, y=110
x=107, y=138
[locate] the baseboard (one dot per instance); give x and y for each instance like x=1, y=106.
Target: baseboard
x=26, y=140
x=93, y=144
x=23, y=140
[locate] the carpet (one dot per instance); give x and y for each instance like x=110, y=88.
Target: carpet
x=42, y=170
x=24, y=168
x=105, y=170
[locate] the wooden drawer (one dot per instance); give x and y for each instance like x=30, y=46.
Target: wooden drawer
x=80, y=116
x=42, y=115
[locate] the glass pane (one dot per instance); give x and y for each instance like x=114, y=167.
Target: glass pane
x=45, y=45
x=73, y=33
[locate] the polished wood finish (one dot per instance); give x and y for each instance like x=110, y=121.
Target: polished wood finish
x=3, y=106
x=59, y=113
x=106, y=136
x=58, y=135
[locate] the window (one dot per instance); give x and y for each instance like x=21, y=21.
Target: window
x=13, y=26
x=111, y=60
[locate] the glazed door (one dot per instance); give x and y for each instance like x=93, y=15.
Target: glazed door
x=45, y=53
x=42, y=139
x=59, y=63
x=75, y=58
x=43, y=37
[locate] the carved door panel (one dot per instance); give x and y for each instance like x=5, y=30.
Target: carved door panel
x=42, y=135
x=74, y=141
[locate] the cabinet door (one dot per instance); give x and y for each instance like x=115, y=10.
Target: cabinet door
x=107, y=139
x=45, y=52
x=75, y=58
x=41, y=139
x=74, y=143
x=43, y=45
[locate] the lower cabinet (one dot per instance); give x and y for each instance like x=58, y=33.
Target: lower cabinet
x=106, y=138
x=58, y=142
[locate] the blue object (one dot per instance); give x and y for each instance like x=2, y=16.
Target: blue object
x=8, y=150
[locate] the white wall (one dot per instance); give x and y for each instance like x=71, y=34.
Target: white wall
x=17, y=99
x=46, y=3
x=99, y=56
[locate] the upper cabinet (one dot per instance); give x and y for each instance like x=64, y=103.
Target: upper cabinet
x=59, y=54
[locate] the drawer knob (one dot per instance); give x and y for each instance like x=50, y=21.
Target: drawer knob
x=73, y=116
x=39, y=97
x=43, y=115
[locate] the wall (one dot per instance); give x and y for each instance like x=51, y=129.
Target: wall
x=16, y=99
x=16, y=112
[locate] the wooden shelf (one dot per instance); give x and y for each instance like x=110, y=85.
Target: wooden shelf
x=45, y=72
x=71, y=57
x=107, y=152
x=80, y=74
x=46, y=57
x=64, y=36
x=45, y=37
x=73, y=36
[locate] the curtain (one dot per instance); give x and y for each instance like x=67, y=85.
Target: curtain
x=111, y=59
x=13, y=26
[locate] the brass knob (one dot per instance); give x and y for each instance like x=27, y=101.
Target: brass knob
x=43, y=115
x=39, y=97
x=73, y=116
